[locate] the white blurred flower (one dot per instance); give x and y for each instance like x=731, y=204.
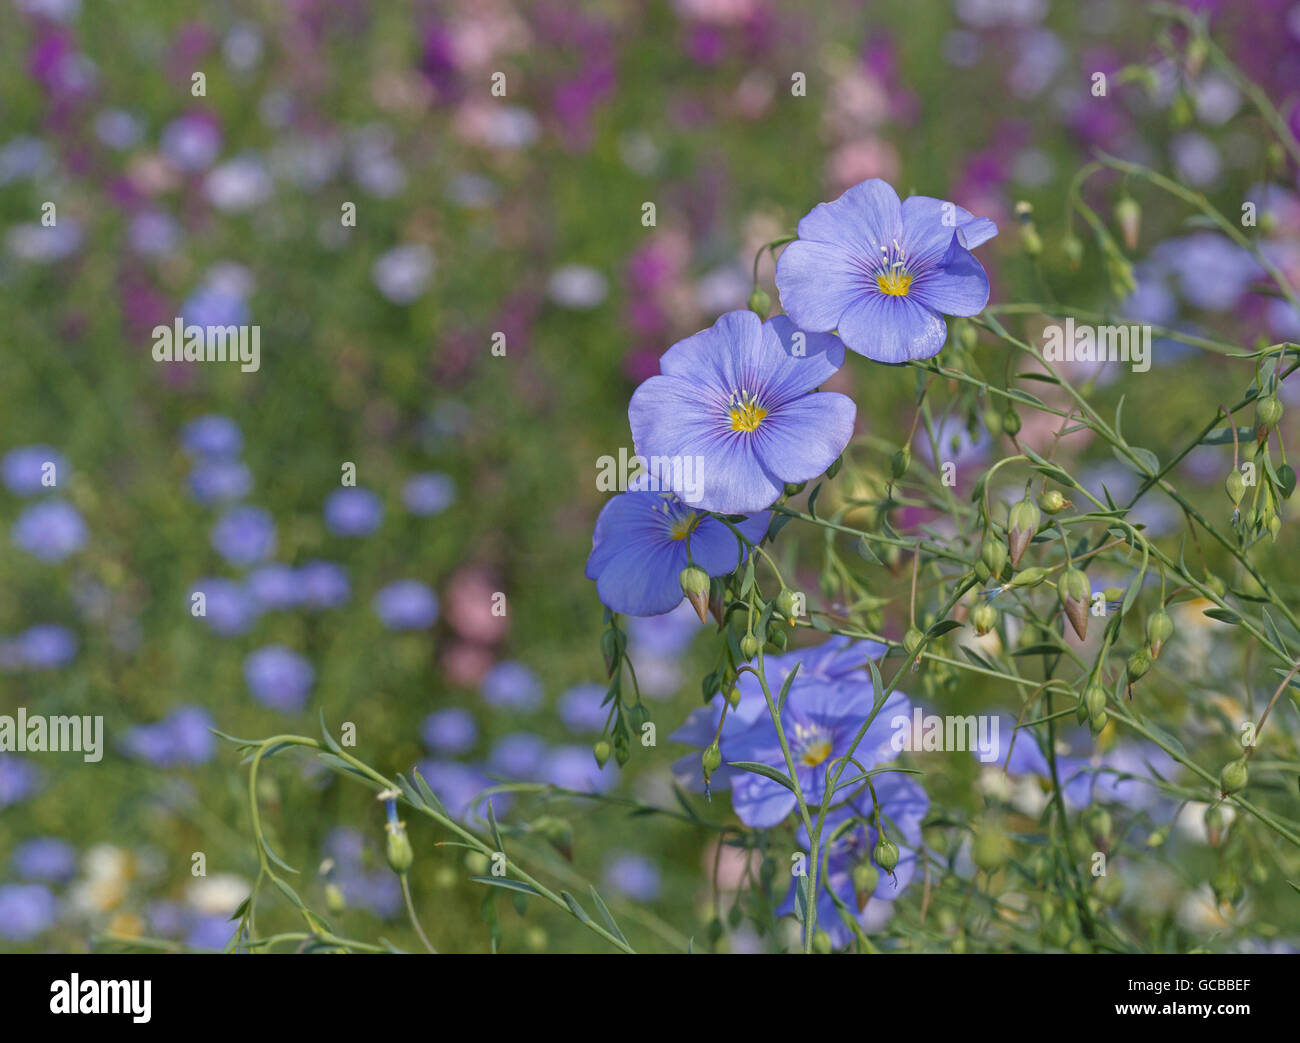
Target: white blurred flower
x=242, y=47
x=118, y=129
x=36, y=242
x=577, y=286
x=403, y=273
x=240, y=184
x=218, y=894
x=722, y=289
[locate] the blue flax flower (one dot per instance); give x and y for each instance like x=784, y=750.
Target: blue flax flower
x=883, y=273
x=639, y=549
x=734, y=415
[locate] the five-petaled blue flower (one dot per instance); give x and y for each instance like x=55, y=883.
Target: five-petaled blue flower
x=734, y=415
x=883, y=273
x=640, y=547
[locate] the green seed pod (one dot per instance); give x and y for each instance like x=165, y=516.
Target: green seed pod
x=994, y=556
x=1138, y=664
x=1028, y=578
x=1233, y=777
x=1052, y=502
x=989, y=851
x=695, y=586
x=398, y=849
x=885, y=854
x=1075, y=592
x=983, y=617
x=787, y=604
x=759, y=302
x=865, y=878
x=1159, y=629
x=1268, y=411
x=1235, y=484
x=912, y=640
x=601, y=752
x=711, y=760
x=1010, y=422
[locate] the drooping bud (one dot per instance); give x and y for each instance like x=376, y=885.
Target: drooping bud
x=1022, y=524
x=1076, y=597
x=912, y=640
x=865, y=878
x=749, y=646
x=759, y=302
x=1233, y=776
x=695, y=585
x=1011, y=422
x=398, y=849
x=1129, y=216
x=1029, y=237
x=732, y=695
x=777, y=639
x=601, y=752
x=885, y=854
x=1159, y=629
x=1094, y=701
x=989, y=851
x=901, y=462
x=993, y=421
x=1052, y=502
x=1235, y=485
x=983, y=617
x=711, y=760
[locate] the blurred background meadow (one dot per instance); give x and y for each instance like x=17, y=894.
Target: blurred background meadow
x=516, y=220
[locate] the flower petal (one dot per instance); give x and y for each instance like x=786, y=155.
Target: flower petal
x=801, y=439
x=929, y=225
x=818, y=282
x=795, y=361
x=892, y=329
x=957, y=287
x=867, y=216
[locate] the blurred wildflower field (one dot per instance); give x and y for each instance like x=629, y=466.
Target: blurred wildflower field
x=466, y=233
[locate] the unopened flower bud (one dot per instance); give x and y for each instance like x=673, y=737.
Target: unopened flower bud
x=912, y=640
x=1010, y=422
x=901, y=462
x=601, y=752
x=711, y=760
x=1159, y=629
x=749, y=646
x=1076, y=597
x=759, y=302
x=776, y=639
x=885, y=854
x=732, y=695
x=1233, y=776
x=695, y=585
x=1022, y=524
x=1052, y=502
x=989, y=850
x=993, y=421
x=335, y=903
x=1094, y=701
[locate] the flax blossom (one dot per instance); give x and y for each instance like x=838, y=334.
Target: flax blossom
x=644, y=539
x=735, y=410
x=883, y=273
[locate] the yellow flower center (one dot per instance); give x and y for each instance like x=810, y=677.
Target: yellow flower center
x=746, y=413
x=894, y=281
x=815, y=752
x=684, y=526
